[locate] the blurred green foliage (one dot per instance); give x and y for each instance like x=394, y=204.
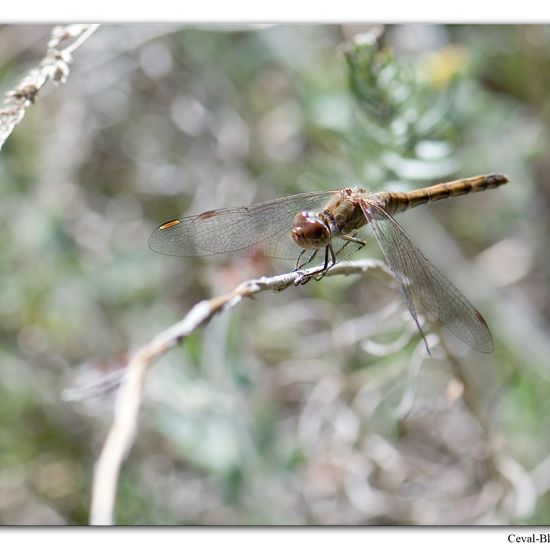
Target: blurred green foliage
x=311, y=406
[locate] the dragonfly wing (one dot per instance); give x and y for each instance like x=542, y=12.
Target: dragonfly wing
x=262, y=229
x=416, y=275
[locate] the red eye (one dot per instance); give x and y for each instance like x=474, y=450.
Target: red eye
x=313, y=230
x=309, y=230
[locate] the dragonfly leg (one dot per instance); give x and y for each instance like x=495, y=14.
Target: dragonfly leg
x=350, y=239
x=342, y=247
x=297, y=264
x=303, y=264
x=323, y=271
x=353, y=239
x=306, y=278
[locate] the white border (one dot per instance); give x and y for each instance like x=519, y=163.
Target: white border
x=283, y=11
x=280, y=11
x=359, y=538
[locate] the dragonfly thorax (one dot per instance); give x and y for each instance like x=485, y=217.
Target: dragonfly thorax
x=310, y=230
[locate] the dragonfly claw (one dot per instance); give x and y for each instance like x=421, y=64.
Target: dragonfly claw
x=302, y=278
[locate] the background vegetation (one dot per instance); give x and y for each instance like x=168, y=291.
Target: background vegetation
x=316, y=405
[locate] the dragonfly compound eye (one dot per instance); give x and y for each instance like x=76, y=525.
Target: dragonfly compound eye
x=309, y=230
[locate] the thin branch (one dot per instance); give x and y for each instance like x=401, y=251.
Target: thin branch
x=54, y=66
x=119, y=439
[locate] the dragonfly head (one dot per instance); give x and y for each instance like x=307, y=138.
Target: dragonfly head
x=309, y=230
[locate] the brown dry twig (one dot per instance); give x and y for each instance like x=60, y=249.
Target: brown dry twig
x=54, y=66
x=128, y=399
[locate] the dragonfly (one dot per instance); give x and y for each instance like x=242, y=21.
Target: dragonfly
x=334, y=224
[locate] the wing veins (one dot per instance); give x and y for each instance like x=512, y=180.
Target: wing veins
x=257, y=229
x=436, y=293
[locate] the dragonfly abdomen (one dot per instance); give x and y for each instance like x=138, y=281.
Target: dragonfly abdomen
x=395, y=202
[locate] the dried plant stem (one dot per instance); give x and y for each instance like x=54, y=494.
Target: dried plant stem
x=54, y=66
x=128, y=399
x=87, y=31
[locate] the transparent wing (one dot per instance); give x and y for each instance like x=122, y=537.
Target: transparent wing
x=261, y=229
x=416, y=275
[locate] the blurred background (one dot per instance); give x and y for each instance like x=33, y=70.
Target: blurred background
x=316, y=405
